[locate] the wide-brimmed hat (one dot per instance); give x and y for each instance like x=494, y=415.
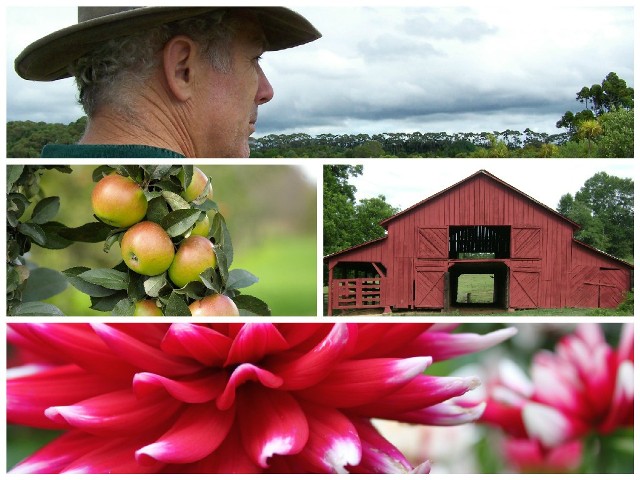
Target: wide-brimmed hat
x=48, y=58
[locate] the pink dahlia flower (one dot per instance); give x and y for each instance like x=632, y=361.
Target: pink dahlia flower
x=585, y=387
x=234, y=398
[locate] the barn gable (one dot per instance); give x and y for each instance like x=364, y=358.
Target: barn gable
x=481, y=225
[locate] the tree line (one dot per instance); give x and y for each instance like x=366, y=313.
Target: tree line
x=603, y=129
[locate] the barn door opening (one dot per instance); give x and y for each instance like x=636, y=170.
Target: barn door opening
x=478, y=284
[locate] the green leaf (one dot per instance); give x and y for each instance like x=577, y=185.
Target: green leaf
x=154, y=285
x=17, y=203
x=185, y=176
x=195, y=290
x=135, y=172
x=222, y=236
x=89, y=232
x=43, y=283
x=135, y=289
x=180, y=221
x=13, y=174
x=176, y=306
x=124, y=308
x=221, y=260
x=157, y=209
x=36, y=309
x=45, y=210
x=156, y=172
x=113, y=238
x=207, y=205
x=13, y=278
x=53, y=239
x=84, y=286
x=107, y=304
x=239, y=278
x=175, y=201
x=34, y=232
x=249, y=305
x=212, y=280
x=107, y=278
x=101, y=171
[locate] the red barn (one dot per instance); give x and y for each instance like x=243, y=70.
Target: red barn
x=480, y=226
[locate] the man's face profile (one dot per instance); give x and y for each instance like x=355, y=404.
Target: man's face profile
x=227, y=102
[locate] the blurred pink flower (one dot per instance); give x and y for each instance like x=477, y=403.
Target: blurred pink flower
x=584, y=387
x=234, y=398
x=528, y=456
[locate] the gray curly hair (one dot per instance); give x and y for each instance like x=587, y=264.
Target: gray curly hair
x=114, y=73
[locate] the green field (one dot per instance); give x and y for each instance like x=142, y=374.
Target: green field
x=475, y=288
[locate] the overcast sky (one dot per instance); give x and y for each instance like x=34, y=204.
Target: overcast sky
x=400, y=69
x=405, y=182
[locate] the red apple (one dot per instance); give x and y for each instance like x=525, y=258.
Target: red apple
x=118, y=201
x=193, y=257
x=147, y=249
x=196, y=188
x=216, y=305
x=147, y=308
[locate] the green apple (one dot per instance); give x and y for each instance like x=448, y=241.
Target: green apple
x=147, y=249
x=193, y=257
x=147, y=308
x=216, y=305
x=196, y=188
x=202, y=227
x=118, y=201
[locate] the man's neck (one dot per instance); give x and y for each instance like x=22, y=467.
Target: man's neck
x=110, y=128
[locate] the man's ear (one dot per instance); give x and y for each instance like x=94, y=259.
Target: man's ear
x=180, y=55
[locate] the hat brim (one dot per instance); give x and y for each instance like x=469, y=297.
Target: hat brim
x=48, y=58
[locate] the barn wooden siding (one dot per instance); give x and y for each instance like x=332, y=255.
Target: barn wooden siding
x=547, y=267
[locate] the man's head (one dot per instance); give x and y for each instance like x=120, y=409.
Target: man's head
x=196, y=66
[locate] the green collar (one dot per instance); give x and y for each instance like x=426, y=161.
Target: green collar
x=107, y=151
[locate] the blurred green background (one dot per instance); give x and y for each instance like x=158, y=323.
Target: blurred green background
x=270, y=211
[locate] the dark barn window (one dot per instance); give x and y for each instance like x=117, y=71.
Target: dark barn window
x=479, y=241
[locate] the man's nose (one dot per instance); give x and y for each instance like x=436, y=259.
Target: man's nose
x=265, y=90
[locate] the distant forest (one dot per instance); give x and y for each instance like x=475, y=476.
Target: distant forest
x=25, y=139
x=603, y=129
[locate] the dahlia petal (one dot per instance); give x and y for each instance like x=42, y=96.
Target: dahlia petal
x=303, y=336
x=505, y=416
x=113, y=457
x=312, y=367
x=254, y=341
x=528, y=456
x=555, y=388
x=229, y=457
x=444, y=345
x=242, y=374
x=396, y=336
x=421, y=392
x=206, y=345
x=625, y=346
x=512, y=377
x=198, y=431
x=358, y=382
x=333, y=440
x=200, y=389
x=621, y=405
x=278, y=426
x=149, y=333
x=57, y=454
x=444, y=414
x=549, y=425
x=117, y=412
x=29, y=396
x=80, y=345
x=143, y=356
x=378, y=454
